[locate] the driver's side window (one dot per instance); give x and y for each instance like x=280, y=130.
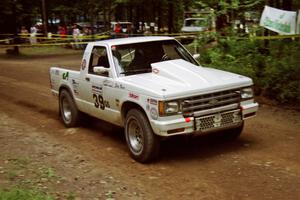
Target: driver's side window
x=98, y=58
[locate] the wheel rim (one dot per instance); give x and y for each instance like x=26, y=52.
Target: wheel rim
x=135, y=136
x=66, y=110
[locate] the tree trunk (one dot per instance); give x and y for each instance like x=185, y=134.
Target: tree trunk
x=287, y=4
x=16, y=37
x=130, y=13
x=170, y=18
x=277, y=4
x=45, y=21
x=109, y=12
x=160, y=15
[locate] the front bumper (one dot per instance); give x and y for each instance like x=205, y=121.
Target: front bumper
x=178, y=125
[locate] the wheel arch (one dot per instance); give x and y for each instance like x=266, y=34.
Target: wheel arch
x=128, y=105
x=67, y=88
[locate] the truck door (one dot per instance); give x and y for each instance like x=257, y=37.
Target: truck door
x=92, y=87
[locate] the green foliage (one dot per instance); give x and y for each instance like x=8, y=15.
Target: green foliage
x=275, y=70
x=11, y=175
x=224, y=6
x=22, y=194
x=178, y=15
x=282, y=72
x=71, y=196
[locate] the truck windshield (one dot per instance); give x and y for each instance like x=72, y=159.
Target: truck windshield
x=137, y=58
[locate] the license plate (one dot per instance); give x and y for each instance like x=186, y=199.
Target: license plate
x=217, y=120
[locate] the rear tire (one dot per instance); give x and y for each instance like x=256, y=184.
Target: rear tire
x=69, y=113
x=143, y=144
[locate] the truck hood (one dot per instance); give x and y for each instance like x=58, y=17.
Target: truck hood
x=179, y=78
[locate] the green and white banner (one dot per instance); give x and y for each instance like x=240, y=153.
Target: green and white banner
x=280, y=21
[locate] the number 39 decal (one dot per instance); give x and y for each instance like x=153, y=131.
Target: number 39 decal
x=99, y=102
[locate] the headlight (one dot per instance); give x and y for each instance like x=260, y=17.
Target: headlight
x=247, y=93
x=169, y=108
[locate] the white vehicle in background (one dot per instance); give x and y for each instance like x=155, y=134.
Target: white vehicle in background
x=193, y=25
x=155, y=89
x=123, y=25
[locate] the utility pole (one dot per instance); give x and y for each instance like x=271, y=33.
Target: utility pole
x=45, y=21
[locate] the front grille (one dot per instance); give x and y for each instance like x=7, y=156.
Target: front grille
x=211, y=103
x=217, y=121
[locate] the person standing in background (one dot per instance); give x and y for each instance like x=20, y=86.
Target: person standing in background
x=62, y=31
x=118, y=30
x=76, y=34
x=33, y=32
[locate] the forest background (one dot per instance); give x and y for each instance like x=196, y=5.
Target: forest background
x=274, y=64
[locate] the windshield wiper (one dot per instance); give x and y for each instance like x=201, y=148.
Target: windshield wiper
x=133, y=71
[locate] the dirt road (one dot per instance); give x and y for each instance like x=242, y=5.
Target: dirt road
x=92, y=162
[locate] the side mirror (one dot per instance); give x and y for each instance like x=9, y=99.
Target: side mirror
x=196, y=56
x=100, y=70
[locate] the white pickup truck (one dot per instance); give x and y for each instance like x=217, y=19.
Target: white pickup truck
x=154, y=88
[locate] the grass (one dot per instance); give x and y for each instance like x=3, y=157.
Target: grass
x=17, y=165
x=49, y=173
x=21, y=162
x=17, y=172
x=70, y=196
x=28, y=52
x=25, y=180
x=11, y=175
x=22, y=194
x=48, y=50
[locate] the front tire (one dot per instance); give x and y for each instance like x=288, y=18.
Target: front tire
x=69, y=113
x=143, y=144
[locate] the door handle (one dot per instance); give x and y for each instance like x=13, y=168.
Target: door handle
x=87, y=78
